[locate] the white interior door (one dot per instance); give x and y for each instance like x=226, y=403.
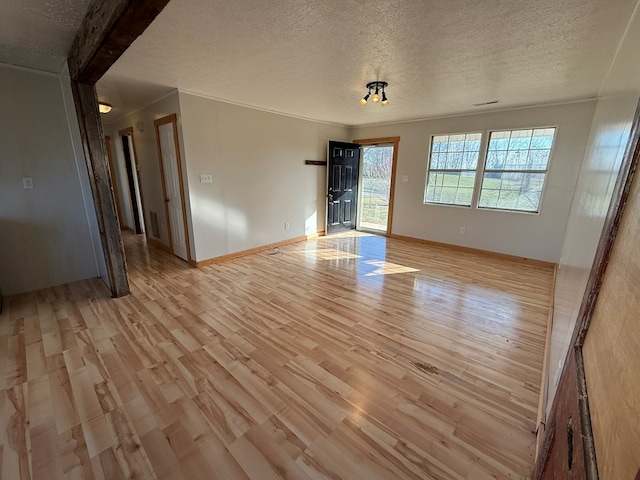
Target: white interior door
x=172, y=189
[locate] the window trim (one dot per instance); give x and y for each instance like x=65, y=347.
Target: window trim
x=484, y=170
x=475, y=170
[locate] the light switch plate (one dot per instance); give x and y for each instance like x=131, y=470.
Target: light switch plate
x=27, y=182
x=206, y=178
x=405, y=178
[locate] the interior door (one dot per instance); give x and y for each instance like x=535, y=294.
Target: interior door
x=342, y=186
x=172, y=176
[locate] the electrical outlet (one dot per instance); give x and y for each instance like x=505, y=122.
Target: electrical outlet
x=462, y=230
x=405, y=178
x=206, y=178
x=27, y=182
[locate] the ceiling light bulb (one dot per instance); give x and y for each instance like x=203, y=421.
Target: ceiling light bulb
x=104, y=107
x=385, y=100
x=363, y=100
x=376, y=97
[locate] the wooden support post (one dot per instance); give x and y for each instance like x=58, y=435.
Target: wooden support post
x=108, y=29
x=86, y=102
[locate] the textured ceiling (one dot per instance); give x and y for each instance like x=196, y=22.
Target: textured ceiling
x=312, y=58
x=39, y=33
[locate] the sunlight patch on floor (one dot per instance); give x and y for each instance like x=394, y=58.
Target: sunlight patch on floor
x=387, y=268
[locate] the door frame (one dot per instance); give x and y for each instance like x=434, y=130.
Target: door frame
x=394, y=162
x=619, y=198
x=173, y=119
x=124, y=133
x=114, y=182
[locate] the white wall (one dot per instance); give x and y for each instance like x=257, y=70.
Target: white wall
x=604, y=154
x=525, y=235
x=83, y=175
x=260, y=180
x=45, y=232
x=148, y=160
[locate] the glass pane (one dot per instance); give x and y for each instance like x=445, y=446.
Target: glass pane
x=438, y=160
x=454, y=188
x=472, y=142
x=456, y=143
x=454, y=160
x=520, y=140
x=376, y=185
x=511, y=191
x=542, y=138
x=538, y=159
x=520, y=149
x=440, y=143
x=499, y=140
x=455, y=152
x=470, y=160
x=496, y=159
x=516, y=160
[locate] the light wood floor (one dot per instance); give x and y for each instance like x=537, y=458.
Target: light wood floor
x=342, y=358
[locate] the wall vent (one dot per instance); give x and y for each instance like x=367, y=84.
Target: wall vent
x=155, y=231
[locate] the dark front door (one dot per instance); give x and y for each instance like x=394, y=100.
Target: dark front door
x=342, y=186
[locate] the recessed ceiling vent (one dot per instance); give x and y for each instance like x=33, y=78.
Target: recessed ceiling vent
x=492, y=102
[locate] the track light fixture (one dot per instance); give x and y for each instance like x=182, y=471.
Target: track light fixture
x=375, y=98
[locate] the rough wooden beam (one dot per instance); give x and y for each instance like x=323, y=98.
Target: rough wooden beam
x=108, y=29
x=86, y=102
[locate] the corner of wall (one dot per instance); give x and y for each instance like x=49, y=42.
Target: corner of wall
x=83, y=175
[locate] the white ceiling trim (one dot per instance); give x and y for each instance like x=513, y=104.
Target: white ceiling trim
x=33, y=70
x=122, y=116
x=483, y=112
x=253, y=107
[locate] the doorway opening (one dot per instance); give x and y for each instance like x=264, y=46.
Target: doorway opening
x=377, y=184
x=133, y=179
x=114, y=179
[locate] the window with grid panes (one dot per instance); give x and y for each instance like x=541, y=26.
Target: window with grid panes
x=453, y=162
x=515, y=169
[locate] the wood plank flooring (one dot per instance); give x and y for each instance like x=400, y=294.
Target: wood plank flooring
x=349, y=357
